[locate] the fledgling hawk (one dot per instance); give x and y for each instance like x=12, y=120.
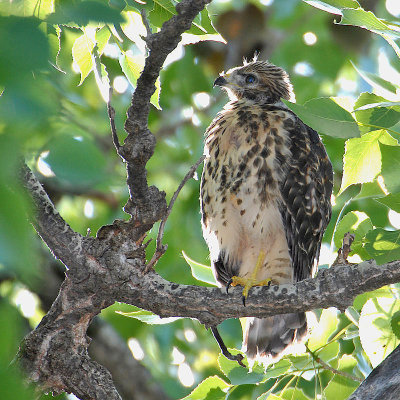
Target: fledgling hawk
x=265, y=197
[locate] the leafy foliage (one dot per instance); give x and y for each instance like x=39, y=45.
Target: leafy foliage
x=55, y=60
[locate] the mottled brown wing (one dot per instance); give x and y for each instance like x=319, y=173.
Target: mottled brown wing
x=306, y=193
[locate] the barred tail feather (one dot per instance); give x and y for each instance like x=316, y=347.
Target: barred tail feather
x=269, y=339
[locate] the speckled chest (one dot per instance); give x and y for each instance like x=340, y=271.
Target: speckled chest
x=247, y=154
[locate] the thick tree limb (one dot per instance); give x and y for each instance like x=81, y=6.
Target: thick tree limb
x=334, y=287
x=55, y=353
x=383, y=383
x=113, y=276
x=147, y=204
x=63, y=242
x=132, y=379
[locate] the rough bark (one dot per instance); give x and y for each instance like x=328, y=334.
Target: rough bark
x=383, y=383
x=56, y=352
x=132, y=379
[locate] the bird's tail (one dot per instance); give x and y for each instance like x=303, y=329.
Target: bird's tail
x=268, y=339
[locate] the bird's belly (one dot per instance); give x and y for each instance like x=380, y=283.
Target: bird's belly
x=244, y=225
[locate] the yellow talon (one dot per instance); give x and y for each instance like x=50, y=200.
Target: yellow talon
x=247, y=283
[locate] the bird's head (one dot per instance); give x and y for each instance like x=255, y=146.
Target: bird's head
x=256, y=80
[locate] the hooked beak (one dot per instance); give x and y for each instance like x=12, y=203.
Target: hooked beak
x=220, y=81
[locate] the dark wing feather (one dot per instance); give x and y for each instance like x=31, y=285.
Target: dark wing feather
x=306, y=192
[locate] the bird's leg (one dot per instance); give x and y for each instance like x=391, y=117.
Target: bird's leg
x=224, y=349
x=251, y=281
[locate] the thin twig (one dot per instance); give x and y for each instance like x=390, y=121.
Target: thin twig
x=238, y=357
x=146, y=23
x=111, y=115
x=333, y=370
x=345, y=250
x=160, y=248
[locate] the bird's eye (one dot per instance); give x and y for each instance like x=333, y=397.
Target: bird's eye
x=250, y=79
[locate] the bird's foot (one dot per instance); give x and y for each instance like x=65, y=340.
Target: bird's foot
x=251, y=281
x=247, y=283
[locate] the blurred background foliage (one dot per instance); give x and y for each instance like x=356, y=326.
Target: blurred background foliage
x=57, y=59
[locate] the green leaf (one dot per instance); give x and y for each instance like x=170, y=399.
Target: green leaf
x=339, y=387
x=148, y=317
x=333, y=6
x=359, y=224
x=158, y=11
x=292, y=393
x=378, y=116
x=299, y=362
x=376, y=81
x=200, y=271
x=102, y=79
x=22, y=8
x=278, y=369
x=212, y=388
x=82, y=55
x=361, y=299
x=382, y=245
x=350, y=223
x=237, y=374
x=326, y=327
x=391, y=167
x=376, y=334
x=367, y=20
x=162, y=10
x=76, y=161
x=362, y=158
x=395, y=324
x=102, y=38
x=82, y=13
x=132, y=66
x=202, y=29
x=367, y=106
x=370, y=189
x=17, y=244
x=392, y=201
x=353, y=315
x=327, y=117
x=206, y=23
x=118, y=4
x=267, y=396
x=23, y=48
x=202, y=24
x=329, y=352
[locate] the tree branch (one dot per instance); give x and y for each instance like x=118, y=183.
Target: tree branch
x=56, y=352
x=119, y=273
x=326, y=366
x=147, y=204
x=63, y=242
x=334, y=287
x=383, y=382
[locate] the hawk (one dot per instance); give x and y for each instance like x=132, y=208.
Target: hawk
x=265, y=198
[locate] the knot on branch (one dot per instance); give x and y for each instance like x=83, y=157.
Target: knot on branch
x=138, y=147
x=147, y=209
